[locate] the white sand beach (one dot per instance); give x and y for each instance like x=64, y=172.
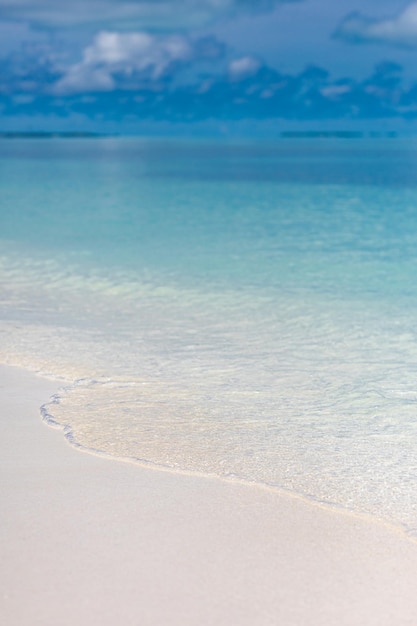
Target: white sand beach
x=89, y=541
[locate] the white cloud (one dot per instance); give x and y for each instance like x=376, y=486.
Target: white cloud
x=335, y=91
x=242, y=68
x=127, y=14
x=400, y=30
x=123, y=55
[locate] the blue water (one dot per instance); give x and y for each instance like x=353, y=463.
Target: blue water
x=238, y=308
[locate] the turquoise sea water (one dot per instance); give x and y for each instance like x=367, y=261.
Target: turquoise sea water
x=241, y=309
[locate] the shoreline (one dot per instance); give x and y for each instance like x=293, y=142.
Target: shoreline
x=85, y=540
x=67, y=432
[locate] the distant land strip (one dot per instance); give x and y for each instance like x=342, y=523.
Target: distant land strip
x=11, y=134
x=342, y=134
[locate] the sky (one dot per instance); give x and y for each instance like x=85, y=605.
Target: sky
x=208, y=66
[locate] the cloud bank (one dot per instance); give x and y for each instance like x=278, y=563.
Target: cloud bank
x=128, y=14
x=125, y=60
x=400, y=30
x=133, y=77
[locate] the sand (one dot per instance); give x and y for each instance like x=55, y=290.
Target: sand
x=90, y=541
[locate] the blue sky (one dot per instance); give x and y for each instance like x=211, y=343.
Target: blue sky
x=211, y=66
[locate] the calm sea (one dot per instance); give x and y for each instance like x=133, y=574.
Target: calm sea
x=242, y=309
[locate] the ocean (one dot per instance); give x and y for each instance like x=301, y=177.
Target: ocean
x=237, y=308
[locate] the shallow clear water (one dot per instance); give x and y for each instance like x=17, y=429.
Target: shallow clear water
x=235, y=308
